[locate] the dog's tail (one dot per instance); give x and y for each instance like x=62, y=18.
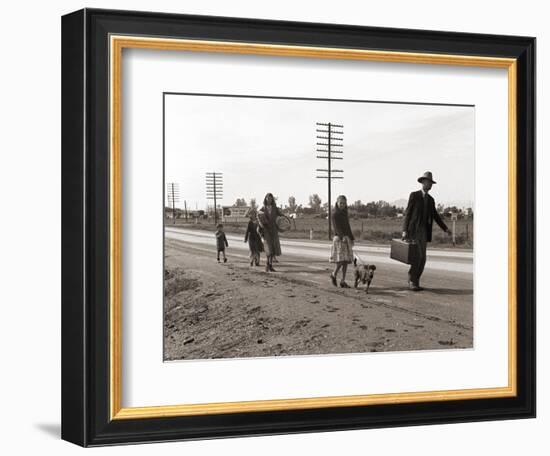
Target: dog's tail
x=356, y=259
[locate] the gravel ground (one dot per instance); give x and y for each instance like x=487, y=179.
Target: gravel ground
x=233, y=310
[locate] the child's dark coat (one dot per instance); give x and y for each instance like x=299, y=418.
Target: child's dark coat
x=221, y=241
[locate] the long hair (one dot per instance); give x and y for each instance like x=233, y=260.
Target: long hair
x=272, y=198
x=337, y=208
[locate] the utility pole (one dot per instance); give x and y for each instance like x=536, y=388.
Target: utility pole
x=173, y=194
x=185, y=205
x=214, y=190
x=334, y=137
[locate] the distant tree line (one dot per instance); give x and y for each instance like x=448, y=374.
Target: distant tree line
x=357, y=209
x=374, y=209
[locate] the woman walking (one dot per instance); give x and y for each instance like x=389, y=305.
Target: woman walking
x=342, y=244
x=267, y=218
x=253, y=238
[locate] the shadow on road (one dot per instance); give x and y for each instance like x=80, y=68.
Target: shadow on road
x=301, y=262
x=386, y=291
x=449, y=291
x=296, y=271
x=398, y=291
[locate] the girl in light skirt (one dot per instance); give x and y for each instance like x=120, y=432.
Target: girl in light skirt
x=341, y=252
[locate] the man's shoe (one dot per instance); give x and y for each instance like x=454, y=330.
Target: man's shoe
x=414, y=287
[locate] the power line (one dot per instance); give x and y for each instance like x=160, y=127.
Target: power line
x=173, y=194
x=214, y=190
x=333, y=150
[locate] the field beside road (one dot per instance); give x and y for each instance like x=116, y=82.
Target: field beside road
x=233, y=310
x=374, y=230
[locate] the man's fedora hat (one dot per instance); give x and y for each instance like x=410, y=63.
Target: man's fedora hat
x=428, y=176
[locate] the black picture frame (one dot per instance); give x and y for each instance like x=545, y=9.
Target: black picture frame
x=85, y=227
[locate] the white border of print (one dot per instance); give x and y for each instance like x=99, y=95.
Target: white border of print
x=147, y=380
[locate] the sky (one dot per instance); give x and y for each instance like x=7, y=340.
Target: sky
x=269, y=145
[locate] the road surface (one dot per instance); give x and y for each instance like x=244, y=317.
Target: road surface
x=233, y=310
x=460, y=261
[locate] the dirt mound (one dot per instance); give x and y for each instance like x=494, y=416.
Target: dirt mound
x=175, y=282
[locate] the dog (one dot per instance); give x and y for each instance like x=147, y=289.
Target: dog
x=364, y=273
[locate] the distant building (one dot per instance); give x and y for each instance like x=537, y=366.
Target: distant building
x=235, y=213
x=169, y=213
x=196, y=214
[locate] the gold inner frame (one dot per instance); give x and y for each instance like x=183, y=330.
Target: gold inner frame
x=117, y=44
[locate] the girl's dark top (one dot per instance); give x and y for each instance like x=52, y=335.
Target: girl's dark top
x=340, y=223
x=253, y=237
x=221, y=240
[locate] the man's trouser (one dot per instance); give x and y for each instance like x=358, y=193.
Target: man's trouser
x=417, y=268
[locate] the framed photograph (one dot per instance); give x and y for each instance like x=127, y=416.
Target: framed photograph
x=279, y=227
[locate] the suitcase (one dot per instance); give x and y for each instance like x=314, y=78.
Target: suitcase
x=404, y=251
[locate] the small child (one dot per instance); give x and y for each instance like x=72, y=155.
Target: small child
x=221, y=242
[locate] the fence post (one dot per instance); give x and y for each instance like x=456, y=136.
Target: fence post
x=454, y=216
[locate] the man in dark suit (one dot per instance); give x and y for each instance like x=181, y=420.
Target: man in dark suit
x=417, y=226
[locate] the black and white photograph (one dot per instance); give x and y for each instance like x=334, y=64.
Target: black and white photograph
x=300, y=226
x=275, y=228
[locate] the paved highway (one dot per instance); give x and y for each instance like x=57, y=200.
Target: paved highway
x=450, y=261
